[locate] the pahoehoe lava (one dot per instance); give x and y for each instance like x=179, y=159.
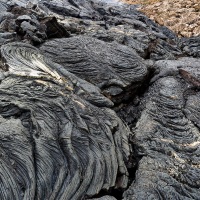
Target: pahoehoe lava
x=96, y=102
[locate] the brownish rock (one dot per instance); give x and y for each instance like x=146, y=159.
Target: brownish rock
x=175, y=14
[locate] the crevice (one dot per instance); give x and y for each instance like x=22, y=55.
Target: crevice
x=132, y=167
x=152, y=46
x=133, y=164
x=128, y=110
x=117, y=193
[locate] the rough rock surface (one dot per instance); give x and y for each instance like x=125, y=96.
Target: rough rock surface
x=114, y=68
x=97, y=102
x=181, y=16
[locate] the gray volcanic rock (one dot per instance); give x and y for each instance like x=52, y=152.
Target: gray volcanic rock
x=167, y=138
x=191, y=46
x=112, y=67
x=58, y=143
x=97, y=102
x=3, y=6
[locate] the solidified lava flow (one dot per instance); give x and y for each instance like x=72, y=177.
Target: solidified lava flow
x=96, y=102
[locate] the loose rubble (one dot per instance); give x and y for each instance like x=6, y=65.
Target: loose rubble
x=183, y=17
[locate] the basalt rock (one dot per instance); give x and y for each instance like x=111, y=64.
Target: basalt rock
x=96, y=102
x=114, y=68
x=191, y=46
x=167, y=138
x=55, y=144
